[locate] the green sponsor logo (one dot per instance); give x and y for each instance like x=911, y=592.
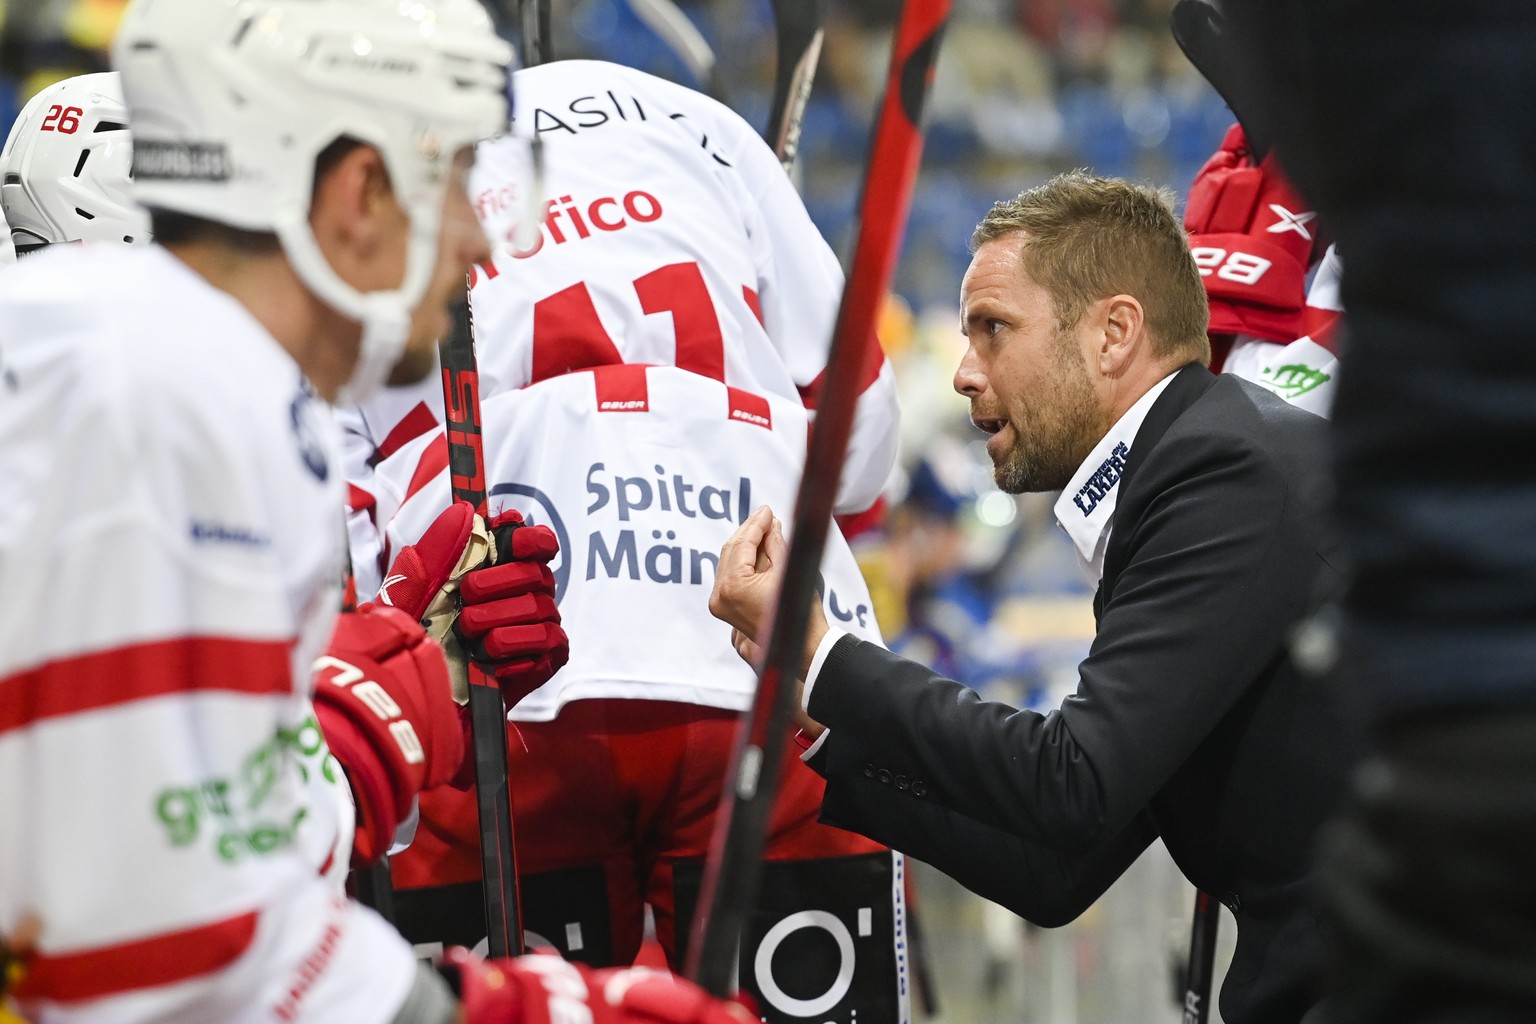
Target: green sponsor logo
x=1294, y=379
x=237, y=811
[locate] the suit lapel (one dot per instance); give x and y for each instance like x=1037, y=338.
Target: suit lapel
x=1183, y=391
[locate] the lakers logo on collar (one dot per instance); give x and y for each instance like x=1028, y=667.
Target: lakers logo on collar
x=1103, y=480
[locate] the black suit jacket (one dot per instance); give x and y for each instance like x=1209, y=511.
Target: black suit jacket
x=1190, y=721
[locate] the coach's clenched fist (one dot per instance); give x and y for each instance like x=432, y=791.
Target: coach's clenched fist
x=747, y=586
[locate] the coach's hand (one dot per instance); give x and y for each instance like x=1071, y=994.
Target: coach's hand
x=747, y=583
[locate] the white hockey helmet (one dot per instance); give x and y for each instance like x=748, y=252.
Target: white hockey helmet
x=64, y=170
x=232, y=101
x=7, y=247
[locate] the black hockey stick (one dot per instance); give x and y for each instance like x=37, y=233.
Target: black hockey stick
x=1200, y=29
x=1202, y=959
x=533, y=19
x=732, y=872
x=799, y=31
x=487, y=709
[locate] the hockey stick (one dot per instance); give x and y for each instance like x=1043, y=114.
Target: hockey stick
x=1200, y=29
x=1202, y=959
x=734, y=866
x=533, y=17
x=685, y=40
x=798, y=25
x=487, y=710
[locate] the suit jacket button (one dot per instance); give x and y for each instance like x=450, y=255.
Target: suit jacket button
x=919, y=788
x=869, y=771
x=1233, y=902
x=884, y=776
x=903, y=783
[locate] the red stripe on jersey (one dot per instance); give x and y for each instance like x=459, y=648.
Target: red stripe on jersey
x=434, y=459
x=874, y=360
x=145, y=963
x=749, y=408
x=418, y=421
x=103, y=679
x=359, y=500
x=857, y=524
x=754, y=303
x=622, y=388
x=1322, y=326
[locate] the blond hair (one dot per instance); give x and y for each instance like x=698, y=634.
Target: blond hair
x=1085, y=238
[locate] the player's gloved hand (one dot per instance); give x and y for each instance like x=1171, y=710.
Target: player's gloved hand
x=384, y=704
x=509, y=622
x=542, y=989
x=485, y=593
x=1253, y=239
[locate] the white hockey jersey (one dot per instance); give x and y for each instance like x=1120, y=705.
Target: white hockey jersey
x=1303, y=372
x=670, y=235
x=643, y=474
x=170, y=558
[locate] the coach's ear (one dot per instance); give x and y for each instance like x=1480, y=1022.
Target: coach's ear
x=1118, y=331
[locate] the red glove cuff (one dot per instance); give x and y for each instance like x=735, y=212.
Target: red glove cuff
x=382, y=697
x=1255, y=286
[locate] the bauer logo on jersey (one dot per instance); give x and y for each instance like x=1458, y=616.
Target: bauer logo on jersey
x=154, y=160
x=537, y=509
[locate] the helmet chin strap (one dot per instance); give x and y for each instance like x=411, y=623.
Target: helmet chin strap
x=385, y=316
x=385, y=332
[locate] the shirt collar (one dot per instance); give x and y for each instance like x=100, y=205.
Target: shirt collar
x=1086, y=507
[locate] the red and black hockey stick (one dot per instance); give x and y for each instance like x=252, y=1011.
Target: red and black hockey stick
x=487, y=710
x=734, y=866
x=1202, y=959
x=798, y=27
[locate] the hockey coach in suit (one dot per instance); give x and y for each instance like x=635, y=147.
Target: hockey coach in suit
x=1198, y=503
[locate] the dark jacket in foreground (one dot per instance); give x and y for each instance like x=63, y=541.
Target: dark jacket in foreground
x=1189, y=722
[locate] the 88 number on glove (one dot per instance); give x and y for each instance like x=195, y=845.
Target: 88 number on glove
x=1237, y=267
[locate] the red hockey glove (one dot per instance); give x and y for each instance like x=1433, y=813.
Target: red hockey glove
x=509, y=622
x=385, y=707
x=485, y=593
x=1252, y=237
x=541, y=989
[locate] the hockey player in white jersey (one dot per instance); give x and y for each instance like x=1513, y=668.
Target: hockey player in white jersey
x=170, y=537
x=64, y=171
x=669, y=236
